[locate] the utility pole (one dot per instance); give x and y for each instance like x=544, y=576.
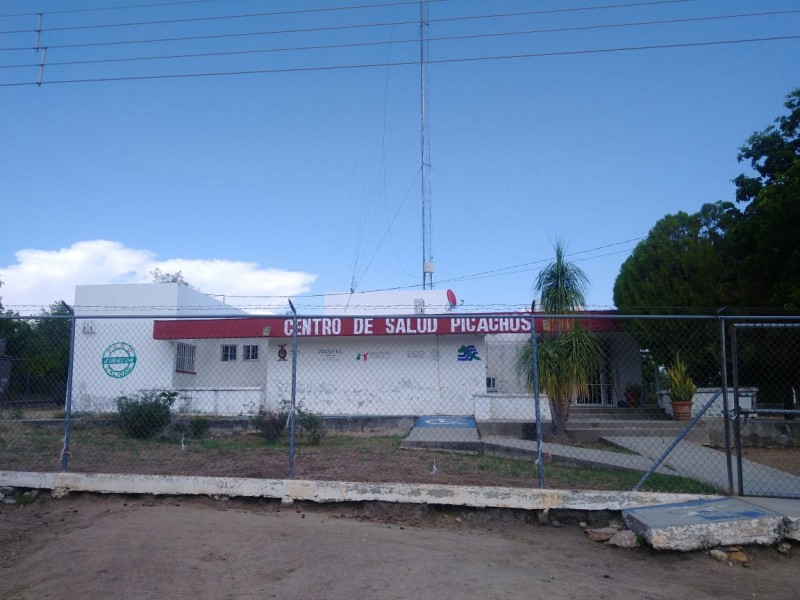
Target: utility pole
x=425, y=147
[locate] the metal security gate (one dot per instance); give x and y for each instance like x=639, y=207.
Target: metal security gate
x=766, y=381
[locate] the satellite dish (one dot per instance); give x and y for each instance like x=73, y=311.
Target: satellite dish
x=451, y=298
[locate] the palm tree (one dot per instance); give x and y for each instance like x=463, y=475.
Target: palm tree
x=569, y=356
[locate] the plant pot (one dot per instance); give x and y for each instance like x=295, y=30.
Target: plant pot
x=632, y=399
x=681, y=411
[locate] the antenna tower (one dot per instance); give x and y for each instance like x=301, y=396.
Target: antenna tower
x=425, y=147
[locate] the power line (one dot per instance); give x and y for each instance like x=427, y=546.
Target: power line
x=414, y=22
x=404, y=63
x=480, y=275
x=110, y=8
x=404, y=41
x=217, y=17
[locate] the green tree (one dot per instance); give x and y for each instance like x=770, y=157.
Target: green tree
x=13, y=330
x=681, y=268
x=768, y=235
x=46, y=355
x=746, y=259
x=569, y=356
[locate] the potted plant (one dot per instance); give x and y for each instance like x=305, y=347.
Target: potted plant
x=633, y=393
x=681, y=389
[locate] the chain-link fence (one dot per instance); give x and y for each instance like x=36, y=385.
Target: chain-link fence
x=450, y=398
x=766, y=376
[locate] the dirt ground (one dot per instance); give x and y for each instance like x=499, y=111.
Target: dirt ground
x=104, y=449
x=93, y=546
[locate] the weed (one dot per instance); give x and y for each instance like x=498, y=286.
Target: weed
x=270, y=424
x=312, y=424
x=147, y=414
x=199, y=426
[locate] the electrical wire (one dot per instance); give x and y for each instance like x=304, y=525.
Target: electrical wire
x=216, y=17
x=403, y=41
x=110, y=8
x=404, y=63
x=413, y=22
x=333, y=9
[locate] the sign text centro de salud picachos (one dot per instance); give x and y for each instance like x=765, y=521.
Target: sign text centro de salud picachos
x=283, y=327
x=329, y=326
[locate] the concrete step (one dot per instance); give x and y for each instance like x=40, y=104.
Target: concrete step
x=594, y=434
x=591, y=414
x=665, y=424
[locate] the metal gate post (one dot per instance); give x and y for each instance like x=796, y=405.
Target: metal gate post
x=725, y=407
x=68, y=404
x=737, y=433
x=294, y=391
x=535, y=360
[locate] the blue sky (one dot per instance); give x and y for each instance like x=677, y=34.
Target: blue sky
x=306, y=181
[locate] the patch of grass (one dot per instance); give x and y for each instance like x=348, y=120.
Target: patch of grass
x=557, y=476
x=505, y=466
x=238, y=443
x=604, y=446
x=103, y=445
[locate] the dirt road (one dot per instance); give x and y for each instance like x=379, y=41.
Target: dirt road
x=91, y=546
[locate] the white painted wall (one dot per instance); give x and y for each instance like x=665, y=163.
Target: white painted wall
x=93, y=390
x=511, y=407
x=399, y=302
x=747, y=400
x=415, y=375
x=132, y=299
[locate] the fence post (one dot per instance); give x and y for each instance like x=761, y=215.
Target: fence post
x=68, y=403
x=737, y=433
x=294, y=391
x=535, y=360
x=725, y=406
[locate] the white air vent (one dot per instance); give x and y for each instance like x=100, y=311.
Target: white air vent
x=419, y=306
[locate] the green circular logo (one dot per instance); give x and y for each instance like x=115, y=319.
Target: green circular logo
x=119, y=359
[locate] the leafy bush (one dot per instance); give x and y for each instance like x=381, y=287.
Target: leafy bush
x=199, y=426
x=147, y=414
x=180, y=430
x=313, y=424
x=270, y=424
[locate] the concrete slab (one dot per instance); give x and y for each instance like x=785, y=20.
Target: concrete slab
x=705, y=523
x=788, y=507
x=444, y=433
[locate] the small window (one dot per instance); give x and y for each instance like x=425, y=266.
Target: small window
x=228, y=352
x=250, y=352
x=491, y=384
x=184, y=362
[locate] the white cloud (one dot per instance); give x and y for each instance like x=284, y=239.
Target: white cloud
x=40, y=277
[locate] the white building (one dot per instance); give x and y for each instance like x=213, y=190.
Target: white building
x=363, y=361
